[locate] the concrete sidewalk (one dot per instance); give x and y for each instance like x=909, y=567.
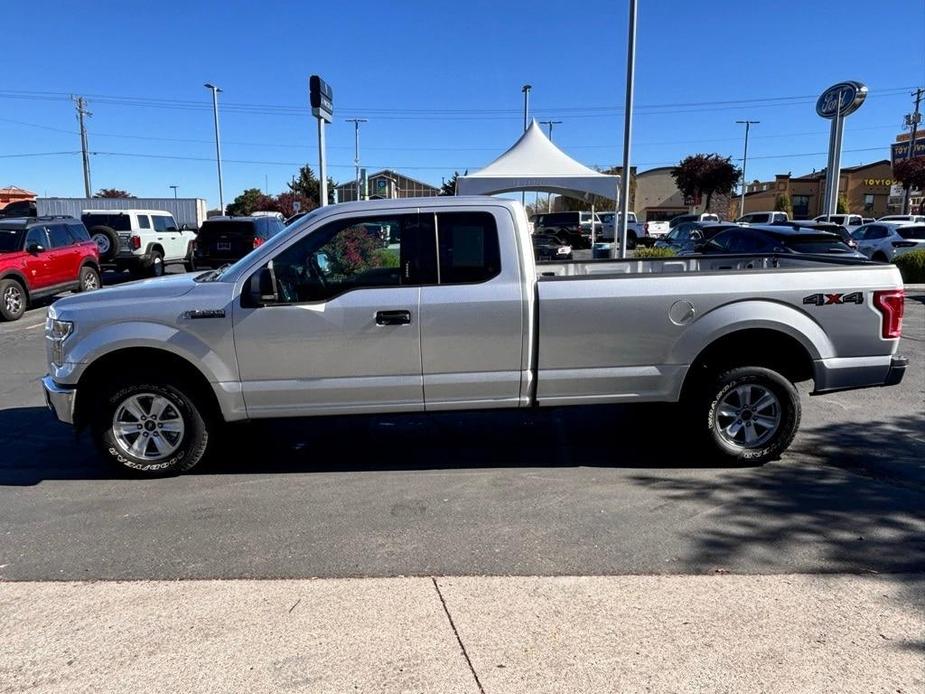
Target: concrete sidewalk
x=738, y=634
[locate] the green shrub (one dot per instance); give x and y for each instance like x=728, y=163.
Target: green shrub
x=912, y=266
x=653, y=252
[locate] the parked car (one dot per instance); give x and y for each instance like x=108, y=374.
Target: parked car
x=224, y=240
x=656, y=228
x=549, y=247
x=777, y=240
x=44, y=256
x=883, y=241
x=906, y=218
x=849, y=221
x=829, y=227
x=311, y=323
x=702, y=217
x=573, y=228
x=19, y=208
x=771, y=217
x=685, y=237
x=141, y=241
x=635, y=232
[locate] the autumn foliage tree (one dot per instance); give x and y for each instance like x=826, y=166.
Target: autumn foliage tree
x=706, y=175
x=252, y=200
x=112, y=193
x=910, y=172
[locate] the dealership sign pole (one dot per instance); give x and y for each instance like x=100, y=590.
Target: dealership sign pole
x=321, y=97
x=835, y=103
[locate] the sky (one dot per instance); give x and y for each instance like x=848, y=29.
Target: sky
x=440, y=85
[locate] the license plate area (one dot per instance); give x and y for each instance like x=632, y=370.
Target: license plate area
x=223, y=246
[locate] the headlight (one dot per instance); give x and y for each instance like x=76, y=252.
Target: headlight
x=58, y=329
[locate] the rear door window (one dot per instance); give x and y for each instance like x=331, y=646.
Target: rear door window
x=144, y=221
x=467, y=245
x=59, y=236
x=78, y=233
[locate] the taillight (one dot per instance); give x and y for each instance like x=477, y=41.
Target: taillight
x=136, y=242
x=257, y=241
x=891, y=305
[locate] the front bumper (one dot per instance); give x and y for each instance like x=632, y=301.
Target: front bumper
x=60, y=399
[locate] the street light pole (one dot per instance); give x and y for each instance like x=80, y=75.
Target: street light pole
x=748, y=124
x=549, y=123
x=218, y=145
x=174, y=191
x=526, y=90
x=627, y=129
x=356, y=148
x=916, y=116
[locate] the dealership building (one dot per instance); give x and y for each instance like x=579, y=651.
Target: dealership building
x=387, y=184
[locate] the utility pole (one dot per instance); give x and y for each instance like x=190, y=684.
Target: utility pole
x=174, y=191
x=916, y=117
x=550, y=123
x=356, y=148
x=748, y=124
x=218, y=145
x=526, y=91
x=82, y=111
x=627, y=130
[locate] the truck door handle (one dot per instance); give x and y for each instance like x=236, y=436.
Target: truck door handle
x=393, y=317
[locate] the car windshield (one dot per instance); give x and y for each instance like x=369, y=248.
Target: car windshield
x=10, y=240
x=917, y=233
x=115, y=220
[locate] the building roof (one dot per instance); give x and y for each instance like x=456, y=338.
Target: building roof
x=388, y=172
x=845, y=169
x=16, y=190
x=657, y=169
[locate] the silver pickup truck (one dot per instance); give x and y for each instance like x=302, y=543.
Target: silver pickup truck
x=437, y=304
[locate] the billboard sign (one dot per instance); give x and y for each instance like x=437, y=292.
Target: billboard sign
x=321, y=98
x=900, y=150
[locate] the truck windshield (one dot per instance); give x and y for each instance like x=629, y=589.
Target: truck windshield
x=115, y=221
x=10, y=240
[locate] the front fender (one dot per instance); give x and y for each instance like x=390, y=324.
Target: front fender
x=118, y=336
x=746, y=315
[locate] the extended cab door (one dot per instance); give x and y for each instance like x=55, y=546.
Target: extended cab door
x=339, y=328
x=473, y=321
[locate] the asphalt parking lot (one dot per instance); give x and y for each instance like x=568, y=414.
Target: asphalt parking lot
x=608, y=490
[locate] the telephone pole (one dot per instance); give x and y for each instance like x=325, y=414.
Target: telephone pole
x=748, y=124
x=550, y=123
x=915, y=118
x=81, y=105
x=356, y=148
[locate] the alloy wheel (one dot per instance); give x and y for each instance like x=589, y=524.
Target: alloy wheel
x=12, y=299
x=148, y=426
x=748, y=416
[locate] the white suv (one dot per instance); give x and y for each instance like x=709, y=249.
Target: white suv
x=139, y=240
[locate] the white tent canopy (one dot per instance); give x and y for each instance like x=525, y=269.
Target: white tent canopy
x=534, y=163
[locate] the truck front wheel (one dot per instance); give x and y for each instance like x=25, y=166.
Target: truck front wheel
x=748, y=414
x=151, y=429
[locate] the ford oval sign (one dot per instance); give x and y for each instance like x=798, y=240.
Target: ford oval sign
x=850, y=94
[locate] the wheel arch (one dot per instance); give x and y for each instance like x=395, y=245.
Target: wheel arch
x=105, y=370
x=19, y=277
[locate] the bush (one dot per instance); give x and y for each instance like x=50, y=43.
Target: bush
x=654, y=253
x=912, y=267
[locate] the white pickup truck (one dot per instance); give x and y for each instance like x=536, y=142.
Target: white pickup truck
x=449, y=311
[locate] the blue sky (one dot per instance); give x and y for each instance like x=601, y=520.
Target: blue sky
x=440, y=85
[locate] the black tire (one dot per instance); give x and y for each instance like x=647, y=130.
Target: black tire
x=714, y=402
x=879, y=257
x=188, y=448
x=13, y=300
x=630, y=241
x=88, y=279
x=190, y=263
x=156, y=267
x=107, y=241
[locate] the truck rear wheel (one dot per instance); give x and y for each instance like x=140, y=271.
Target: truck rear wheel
x=747, y=414
x=150, y=429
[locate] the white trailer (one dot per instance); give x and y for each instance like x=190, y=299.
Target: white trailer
x=188, y=211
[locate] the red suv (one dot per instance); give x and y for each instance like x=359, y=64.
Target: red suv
x=41, y=256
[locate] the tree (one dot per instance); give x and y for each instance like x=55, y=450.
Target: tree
x=449, y=185
x=285, y=203
x=841, y=205
x=252, y=200
x=306, y=184
x=112, y=193
x=782, y=203
x=910, y=172
x=706, y=175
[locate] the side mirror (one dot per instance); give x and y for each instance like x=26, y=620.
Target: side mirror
x=261, y=288
x=35, y=248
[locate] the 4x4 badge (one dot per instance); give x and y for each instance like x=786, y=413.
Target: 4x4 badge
x=828, y=299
